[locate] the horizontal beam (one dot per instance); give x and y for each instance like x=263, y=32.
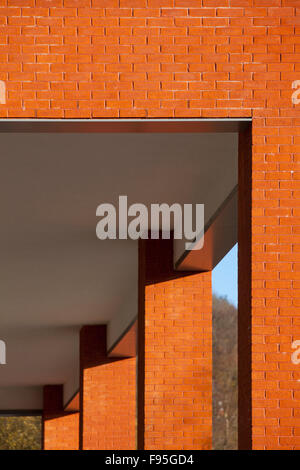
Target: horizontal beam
x=17, y=413
x=220, y=235
x=123, y=125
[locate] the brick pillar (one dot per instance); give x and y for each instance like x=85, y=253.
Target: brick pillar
x=276, y=275
x=107, y=395
x=174, y=352
x=60, y=430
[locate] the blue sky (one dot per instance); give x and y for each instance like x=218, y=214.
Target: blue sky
x=224, y=277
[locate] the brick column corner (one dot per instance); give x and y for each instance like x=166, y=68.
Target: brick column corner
x=107, y=394
x=60, y=429
x=174, y=351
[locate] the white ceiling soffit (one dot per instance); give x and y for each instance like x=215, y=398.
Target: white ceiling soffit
x=55, y=274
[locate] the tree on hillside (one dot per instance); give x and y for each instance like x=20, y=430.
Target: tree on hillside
x=225, y=392
x=20, y=433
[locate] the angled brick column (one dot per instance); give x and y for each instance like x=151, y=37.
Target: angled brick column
x=60, y=428
x=107, y=395
x=174, y=352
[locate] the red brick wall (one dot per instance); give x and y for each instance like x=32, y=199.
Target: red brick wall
x=175, y=353
x=188, y=58
x=149, y=58
x=275, y=277
x=60, y=429
x=107, y=395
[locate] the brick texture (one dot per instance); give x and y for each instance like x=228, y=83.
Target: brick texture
x=60, y=429
x=107, y=395
x=145, y=58
x=185, y=59
x=275, y=277
x=175, y=352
